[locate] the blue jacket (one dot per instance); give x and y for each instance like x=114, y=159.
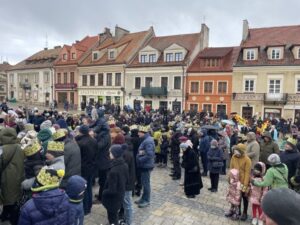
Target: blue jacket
x=146, y=153
x=204, y=144
x=215, y=156
x=77, y=213
x=47, y=207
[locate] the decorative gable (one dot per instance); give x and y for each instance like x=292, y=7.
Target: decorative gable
x=175, y=53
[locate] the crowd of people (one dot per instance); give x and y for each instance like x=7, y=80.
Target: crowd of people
x=50, y=161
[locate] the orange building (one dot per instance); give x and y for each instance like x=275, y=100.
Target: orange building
x=209, y=81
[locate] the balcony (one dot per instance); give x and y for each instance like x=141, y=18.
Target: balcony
x=248, y=96
x=154, y=91
x=66, y=86
x=280, y=98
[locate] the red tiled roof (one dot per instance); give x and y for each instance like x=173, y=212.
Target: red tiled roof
x=131, y=41
x=272, y=36
x=227, y=56
x=187, y=41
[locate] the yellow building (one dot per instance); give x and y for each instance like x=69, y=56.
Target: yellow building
x=266, y=76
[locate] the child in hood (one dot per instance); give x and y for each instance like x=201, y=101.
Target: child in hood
x=257, y=193
x=234, y=194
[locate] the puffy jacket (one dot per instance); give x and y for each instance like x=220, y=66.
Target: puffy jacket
x=243, y=165
x=146, y=153
x=290, y=159
x=47, y=207
x=257, y=193
x=205, y=140
x=214, y=156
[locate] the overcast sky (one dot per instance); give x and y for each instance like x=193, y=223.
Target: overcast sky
x=24, y=24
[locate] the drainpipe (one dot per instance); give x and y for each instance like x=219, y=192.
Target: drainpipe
x=124, y=97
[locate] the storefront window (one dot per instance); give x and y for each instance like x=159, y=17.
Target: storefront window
x=117, y=100
x=271, y=113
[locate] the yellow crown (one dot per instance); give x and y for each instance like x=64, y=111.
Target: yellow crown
x=56, y=146
x=50, y=178
x=28, y=127
x=59, y=134
x=32, y=148
x=144, y=129
x=292, y=141
x=133, y=127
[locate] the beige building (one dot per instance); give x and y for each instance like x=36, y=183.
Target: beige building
x=266, y=77
x=4, y=67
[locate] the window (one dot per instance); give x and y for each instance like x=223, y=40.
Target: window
x=72, y=78
x=46, y=77
x=92, y=80
x=250, y=54
x=298, y=86
x=73, y=55
x=109, y=79
x=59, y=78
x=208, y=87
x=274, y=86
x=72, y=97
x=112, y=54
x=36, y=78
x=64, y=56
x=143, y=58
x=169, y=57
x=178, y=56
x=222, y=87
x=249, y=86
x=275, y=54
x=118, y=79
x=148, y=81
x=177, y=83
x=84, y=80
x=194, y=107
x=137, y=83
x=152, y=58
x=194, y=87
x=207, y=107
x=212, y=62
x=65, y=78
x=95, y=56
x=100, y=79
x=164, y=82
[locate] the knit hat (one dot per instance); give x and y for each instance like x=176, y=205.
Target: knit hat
x=117, y=150
x=76, y=186
x=119, y=139
x=32, y=149
x=59, y=134
x=291, y=141
x=46, y=124
x=282, y=205
x=47, y=179
x=214, y=143
x=241, y=148
x=274, y=159
x=84, y=129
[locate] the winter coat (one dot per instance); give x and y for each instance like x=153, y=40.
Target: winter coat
x=243, y=165
x=115, y=185
x=129, y=159
x=146, y=153
x=224, y=146
x=234, y=190
x=77, y=213
x=253, y=151
x=204, y=144
x=175, y=143
x=72, y=159
x=47, y=207
x=266, y=149
x=291, y=159
x=276, y=177
x=164, y=147
x=103, y=142
x=257, y=193
x=157, y=141
x=88, y=148
x=37, y=121
x=215, y=156
x=192, y=177
x=11, y=167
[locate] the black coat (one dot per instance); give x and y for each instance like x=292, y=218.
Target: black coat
x=290, y=159
x=104, y=142
x=88, y=150
x=130, y=161
x=192, y=177
x=115, y=185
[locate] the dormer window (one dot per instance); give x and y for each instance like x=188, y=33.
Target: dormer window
x=275, y=53
x=212, y=62
x=169, y=57
x=112, y=54
x=95, y=56
x=73, y=55
x=65, y=56
x=143, y=58
x=178, y=56
x=152, y=58
x=250, y=54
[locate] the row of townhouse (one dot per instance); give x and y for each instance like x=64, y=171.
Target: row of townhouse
x=261, y=76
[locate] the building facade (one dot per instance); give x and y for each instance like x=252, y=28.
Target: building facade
x=4, y=67
x=209, y=81
x=156, y=76
x=102, y=71
x=66, y=71
x=32, y=79
x=267, y=73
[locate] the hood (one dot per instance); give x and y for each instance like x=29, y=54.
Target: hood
x=267, y=134
x=263, y=166
x=8, y=136
x=50, y=203
x=100, y=113
x=251, y=136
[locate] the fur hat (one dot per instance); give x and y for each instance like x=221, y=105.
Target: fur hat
x=47, y=179
x=274, y=159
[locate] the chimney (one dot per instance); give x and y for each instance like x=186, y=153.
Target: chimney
x=45, y=48
x=245, y=30
x=76, y=41
x=57, y=47
x=204, y=36
x=106, y=34
x=120, y=32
